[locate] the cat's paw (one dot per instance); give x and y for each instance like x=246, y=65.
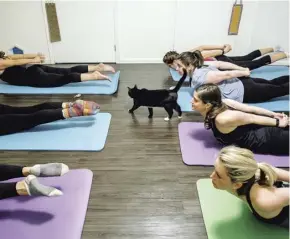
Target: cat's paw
x=166, y=119
x=150, y=116
x=130, y=111
x=179, y=117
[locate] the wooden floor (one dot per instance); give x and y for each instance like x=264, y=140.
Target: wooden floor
x=141, y=188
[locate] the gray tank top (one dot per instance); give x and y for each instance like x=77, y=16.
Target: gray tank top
x=230, y=89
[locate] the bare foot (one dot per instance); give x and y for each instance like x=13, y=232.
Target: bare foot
x=104, y=67
x=99, y=76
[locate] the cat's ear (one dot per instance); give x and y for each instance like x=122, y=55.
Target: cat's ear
x=128, y=88
x=135, y=86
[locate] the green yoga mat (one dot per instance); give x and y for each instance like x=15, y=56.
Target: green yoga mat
x=227, y=217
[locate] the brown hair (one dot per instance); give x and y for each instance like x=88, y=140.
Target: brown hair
x=169, y=57
x=191, y=58
x=210, y=93
x=2, y=54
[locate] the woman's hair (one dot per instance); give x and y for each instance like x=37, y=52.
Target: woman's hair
x=2, y=54
x=191, y=59
x=210, y=93
x=241, y=167
x=170, y=57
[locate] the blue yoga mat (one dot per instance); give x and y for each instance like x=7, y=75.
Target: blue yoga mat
x=86, y=133
x=266, y=72
x=98, y=87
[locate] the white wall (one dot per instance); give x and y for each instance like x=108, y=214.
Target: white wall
x=207, y=22
x=22, y=23
x=271, y=26
x=87, y=31
x=145, y=29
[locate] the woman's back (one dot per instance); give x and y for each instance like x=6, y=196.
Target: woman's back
x=230, y=89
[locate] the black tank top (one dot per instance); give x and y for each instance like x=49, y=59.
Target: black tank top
x=281, y=219
x=249, y=136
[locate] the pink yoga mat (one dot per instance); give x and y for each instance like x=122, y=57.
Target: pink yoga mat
x=199, y=147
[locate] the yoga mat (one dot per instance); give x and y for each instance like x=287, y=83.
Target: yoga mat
x=227, y=217
x=199, y=147
x=98, y=87
x=59, y=217
x=267, y=72
x=86, y=133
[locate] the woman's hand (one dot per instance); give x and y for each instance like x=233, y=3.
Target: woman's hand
x=283, y=122
x=42, y=56
x=278, y=115
x=36, y=60
x=227, y=48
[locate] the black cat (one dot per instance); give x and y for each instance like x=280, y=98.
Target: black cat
x=157, y=98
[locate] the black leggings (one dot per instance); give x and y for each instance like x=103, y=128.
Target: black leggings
x=43, y=76
x=258, y=90
x=16, y=119
x=247, y=60
x=8, y=190
x=277, y=142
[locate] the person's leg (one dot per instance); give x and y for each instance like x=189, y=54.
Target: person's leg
x=7, y=109
x=265, y=60
x=255, y=92
x=277, y=81
x=43, y=170
x=14, y=123
x=27, y=187
x=253, y=55
x=36, y=76
x=77, y=69
x=275, y=141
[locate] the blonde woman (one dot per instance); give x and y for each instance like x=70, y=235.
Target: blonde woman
x=259, y=185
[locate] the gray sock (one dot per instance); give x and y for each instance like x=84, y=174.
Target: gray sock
x=34, y=188
x=49, y=169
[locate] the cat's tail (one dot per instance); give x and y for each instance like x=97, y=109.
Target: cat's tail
x=180, y=82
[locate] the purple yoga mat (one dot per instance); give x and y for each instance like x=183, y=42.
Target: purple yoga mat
x=199, y=147
x=60, y=217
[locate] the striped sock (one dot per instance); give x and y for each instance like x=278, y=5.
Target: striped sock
x=71, y=112
x=87, y=107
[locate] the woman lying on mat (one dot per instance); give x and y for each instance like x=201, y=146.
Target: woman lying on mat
x=217, y=53
x=231, y=122
x=260, y=185
x=16, y=119
x=30, y=185
x=16, y=72
x=234, y=83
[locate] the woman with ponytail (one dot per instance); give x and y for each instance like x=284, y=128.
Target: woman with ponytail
x=217, y=53
x=233, y=81
x=259, y=185
x=231, y=122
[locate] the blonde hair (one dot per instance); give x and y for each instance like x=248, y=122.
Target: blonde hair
x=241, y=167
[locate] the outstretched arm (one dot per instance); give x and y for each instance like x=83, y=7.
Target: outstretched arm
x=248, y=108
x=21, y=56
x=8, y=63
x=216, y=77
x=226, y=65
x=208, y=47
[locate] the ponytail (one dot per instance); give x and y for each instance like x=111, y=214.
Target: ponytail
x=191, y=59
x=2, y=54
x=267, y=175
x=198, y=59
